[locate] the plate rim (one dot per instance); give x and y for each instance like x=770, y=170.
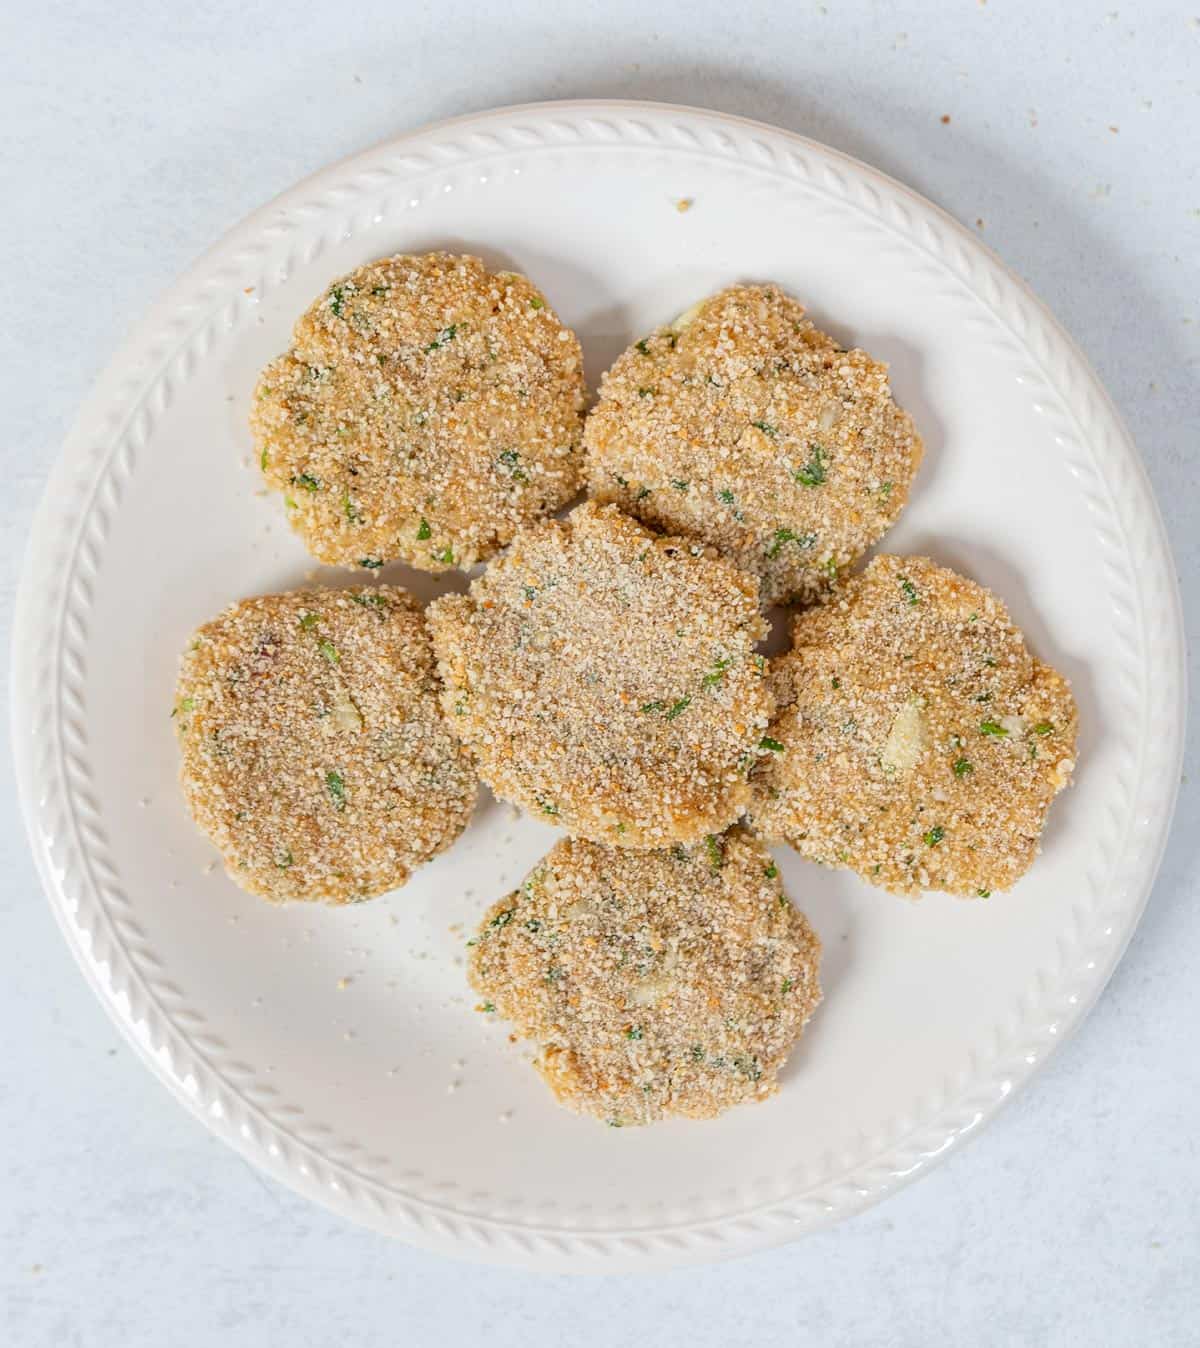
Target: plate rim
x=582, y=1249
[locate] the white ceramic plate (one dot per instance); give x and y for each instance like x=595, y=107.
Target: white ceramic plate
x=387, y=1097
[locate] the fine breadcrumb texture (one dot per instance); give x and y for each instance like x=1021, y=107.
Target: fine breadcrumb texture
x=427, y=409
x=314, y=752
x=605, y=679
x=743, y=425
x=918, y=741
x=654, y=983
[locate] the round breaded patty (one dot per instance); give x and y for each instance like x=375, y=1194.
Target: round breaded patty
x=654, y=983
x=314, y=752
x=743, y=425
x=605, y=679
x=918, y=742
x=427, y=409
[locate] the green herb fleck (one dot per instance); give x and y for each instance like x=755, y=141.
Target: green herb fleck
x=337, y=789
x=371, y=563
x=766, y=428
x=648, y=707
x=992, y=728
x=835, y=682
x=697, y=1053
x=681, y=706
x=787, y=985
x=783, y=536
x=725, y=496
x=186, y=705
x=548, y=807
x=329, y=651
x=337, y=300
x=372, y=600
x=634, y=1032
x=886, y=490
x=309, y=620
x=772, y=871
x=642, y=347
x=962, y=767
x=285, y=860
x=716, y=851
x=679, y=485
x=262, y=461
x=446, y=555
x=537, y=302
x=716, y=674
x=353, y=514
x=446, y=335
x=307, y=481
x=984, y=893
x=1043, y=728
x=813, y=474
x=503, y=918
x=935, y=835
x=647, y=392
x=642, y=494
x=512, y=461
x=775, y=746
x=909, y=590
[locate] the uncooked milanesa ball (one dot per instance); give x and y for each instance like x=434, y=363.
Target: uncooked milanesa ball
x=605, y=679
x=314, y=752
x=654, y=983
x=427, y=409
x=918, y=742
x=743, y=425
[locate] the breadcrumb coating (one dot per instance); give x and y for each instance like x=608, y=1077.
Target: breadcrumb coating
x=743, y=425
x=654, y=983
x=314, y=754
x=426, y=411
x=605, y=679
x=917, y=741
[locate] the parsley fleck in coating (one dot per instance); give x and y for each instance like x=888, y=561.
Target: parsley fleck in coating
x=314, y=752
x=889, y=767
x=579, y=671
x=653, y=983
x=427, y=409
x=795, y=458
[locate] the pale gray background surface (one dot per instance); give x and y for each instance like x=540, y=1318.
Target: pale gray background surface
x=131, y=136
